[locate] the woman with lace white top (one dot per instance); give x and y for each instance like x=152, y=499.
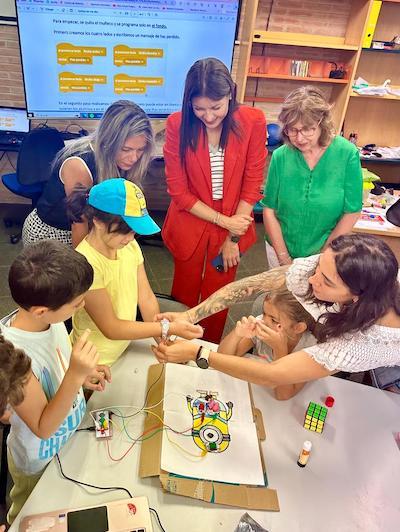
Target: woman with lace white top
x=352, y=289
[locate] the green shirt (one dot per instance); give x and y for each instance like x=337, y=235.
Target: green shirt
x=309, y=203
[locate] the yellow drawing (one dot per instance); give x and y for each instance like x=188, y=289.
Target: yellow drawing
x=210, y=429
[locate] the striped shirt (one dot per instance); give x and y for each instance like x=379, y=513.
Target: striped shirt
x=217, y=171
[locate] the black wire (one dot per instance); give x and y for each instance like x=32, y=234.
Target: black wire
x=158, y=519
x=269, y=15
x=111, y=488
x=92, y=429
x=9, y=160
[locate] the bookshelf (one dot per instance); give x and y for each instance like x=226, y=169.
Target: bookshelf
x=264, y=83
x=380, y=124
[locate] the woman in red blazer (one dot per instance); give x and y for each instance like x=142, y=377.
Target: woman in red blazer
x=214, y=162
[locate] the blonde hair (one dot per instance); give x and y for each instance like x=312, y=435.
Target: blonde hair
x=285, y=300
x=123, y=119
x=308, y=106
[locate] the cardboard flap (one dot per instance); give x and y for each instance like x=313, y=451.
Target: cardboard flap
x=250, y=497
x=150, y=453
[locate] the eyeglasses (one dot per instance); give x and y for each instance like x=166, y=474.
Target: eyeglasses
x=306, y=131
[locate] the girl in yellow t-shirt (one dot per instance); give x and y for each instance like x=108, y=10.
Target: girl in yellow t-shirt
x=115, y=210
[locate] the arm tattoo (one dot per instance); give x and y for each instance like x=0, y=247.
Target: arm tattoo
x=238, y=291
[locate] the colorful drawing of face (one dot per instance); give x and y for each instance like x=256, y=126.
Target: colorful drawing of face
x=210, y=430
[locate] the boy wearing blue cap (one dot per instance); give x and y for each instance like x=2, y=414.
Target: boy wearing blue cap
x=115, y=210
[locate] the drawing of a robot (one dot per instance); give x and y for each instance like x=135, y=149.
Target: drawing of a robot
x=210, y=429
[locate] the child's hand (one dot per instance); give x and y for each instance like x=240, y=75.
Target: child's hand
x=97, y=379
x=185, y=329
x=246, y=327
x=84, y=357
x=277, y=340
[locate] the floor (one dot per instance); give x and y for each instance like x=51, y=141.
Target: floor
x=158, y=262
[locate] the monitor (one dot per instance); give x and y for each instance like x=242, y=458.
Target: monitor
x=13, y=120
x=79, y=56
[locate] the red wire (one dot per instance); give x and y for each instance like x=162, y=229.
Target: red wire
x=129, y=448
x=141, y=436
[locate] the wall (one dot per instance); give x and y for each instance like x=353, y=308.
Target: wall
x=309, y=16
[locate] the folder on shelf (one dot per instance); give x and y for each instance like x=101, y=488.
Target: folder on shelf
x=256, y=65
x=277, y=65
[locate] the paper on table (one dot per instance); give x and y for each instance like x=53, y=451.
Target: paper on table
x=235, y=455
x=181, y=381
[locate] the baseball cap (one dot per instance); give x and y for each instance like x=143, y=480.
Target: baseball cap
x=122, y=197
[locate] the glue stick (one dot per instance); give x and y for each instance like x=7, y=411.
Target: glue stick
x=304, y=454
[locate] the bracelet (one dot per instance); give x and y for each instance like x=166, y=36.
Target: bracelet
x=283, y=253
x=216, y=219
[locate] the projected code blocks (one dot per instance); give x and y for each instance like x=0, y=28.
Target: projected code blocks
x=315, y=417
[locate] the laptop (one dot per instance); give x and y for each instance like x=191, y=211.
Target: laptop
x=14, y=126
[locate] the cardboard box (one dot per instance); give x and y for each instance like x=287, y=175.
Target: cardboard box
x=250, y=497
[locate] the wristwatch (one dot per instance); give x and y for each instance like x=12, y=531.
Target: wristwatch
x=202, y=357
x=164, y=329
x=235, y=239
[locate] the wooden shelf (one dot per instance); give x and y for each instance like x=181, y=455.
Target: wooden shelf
x=301, y=39
x=298, y=78
x=377, y=160
x=263, y=99
x=374, y=96
x=384, y=51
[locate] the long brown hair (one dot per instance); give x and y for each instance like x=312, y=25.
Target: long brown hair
x=285, y=300
x=369, y=268
x=210, y=78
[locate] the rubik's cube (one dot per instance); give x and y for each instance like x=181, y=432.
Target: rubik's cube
x=315, y=417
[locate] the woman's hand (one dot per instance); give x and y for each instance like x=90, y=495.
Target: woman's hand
x=246, y=327
x=176, y=352
x=277, y=340
x=236, y=224
x=185, y=329
x=284, y=258
x=97, y=379
x=230, y=254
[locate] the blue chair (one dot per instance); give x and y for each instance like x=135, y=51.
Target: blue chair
x=35, y=156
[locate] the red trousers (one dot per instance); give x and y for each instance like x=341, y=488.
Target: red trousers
x=195, y=279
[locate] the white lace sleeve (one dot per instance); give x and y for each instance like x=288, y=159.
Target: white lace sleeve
x=360, y=351
x=297, y=282
x=298, y=274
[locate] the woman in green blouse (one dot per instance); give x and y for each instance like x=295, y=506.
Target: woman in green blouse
x=314, y=188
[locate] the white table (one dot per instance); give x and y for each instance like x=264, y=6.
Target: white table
x=351, y=482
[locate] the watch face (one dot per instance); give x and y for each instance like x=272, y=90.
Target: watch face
x=235, y=239
x=202, y=363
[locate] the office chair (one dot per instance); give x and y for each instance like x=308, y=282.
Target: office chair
x=33, y=166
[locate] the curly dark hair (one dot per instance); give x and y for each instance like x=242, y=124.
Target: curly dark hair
x=14, y=372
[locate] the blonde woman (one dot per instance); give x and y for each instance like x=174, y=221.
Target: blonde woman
x=120, y=147
x=314, y=188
